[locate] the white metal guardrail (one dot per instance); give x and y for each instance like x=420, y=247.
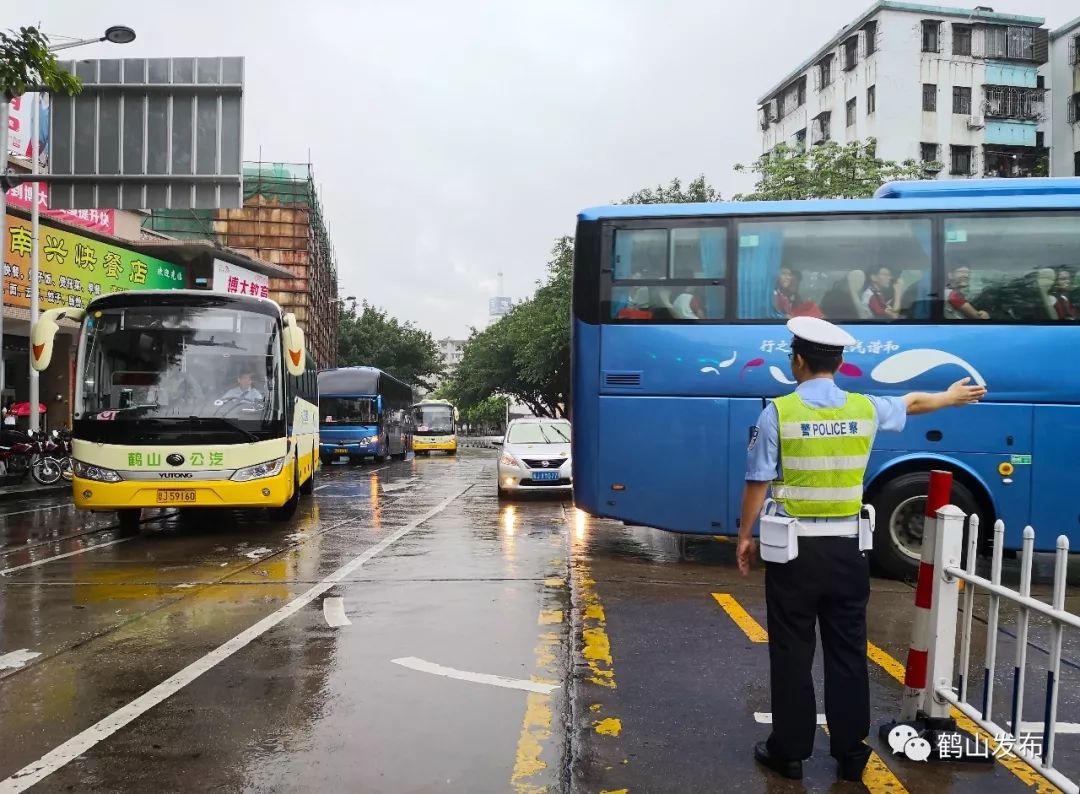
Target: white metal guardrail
x=938, y=698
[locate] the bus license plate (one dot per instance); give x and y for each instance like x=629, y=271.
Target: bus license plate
x=341, y=451
x=175, y=497
x=545, y=475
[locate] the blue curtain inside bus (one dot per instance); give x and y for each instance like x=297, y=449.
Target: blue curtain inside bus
x=920, y=306
x=760, y=255
x=711, y=243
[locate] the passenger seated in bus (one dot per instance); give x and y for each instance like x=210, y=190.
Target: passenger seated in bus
x=881, y=298
x=687, y=304
x=957, y=306
x=1061, y=296
x=244, y=388
x=786, y=292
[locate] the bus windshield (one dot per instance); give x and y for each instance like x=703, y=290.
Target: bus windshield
x=348, y=410
x=180, y=362
x=433, y=419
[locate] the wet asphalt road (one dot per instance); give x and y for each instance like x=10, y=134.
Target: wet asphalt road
x=224, y=653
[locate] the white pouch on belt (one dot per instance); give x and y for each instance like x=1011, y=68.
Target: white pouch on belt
x=778, y=539
x=867, y=518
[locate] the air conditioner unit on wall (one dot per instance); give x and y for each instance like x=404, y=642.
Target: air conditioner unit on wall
x=976, y=122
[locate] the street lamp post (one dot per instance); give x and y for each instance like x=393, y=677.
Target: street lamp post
x=117, y=34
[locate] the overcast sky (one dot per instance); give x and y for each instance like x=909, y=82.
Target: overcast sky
x=454, y=140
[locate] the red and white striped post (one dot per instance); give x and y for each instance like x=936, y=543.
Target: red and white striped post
x=915, y=674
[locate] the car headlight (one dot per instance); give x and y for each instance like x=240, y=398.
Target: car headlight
x=259, y=470
x=508, y=460
x=86, y=471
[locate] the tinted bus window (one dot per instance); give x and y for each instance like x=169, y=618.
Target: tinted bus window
x=668, y=274
x=845, y=270
x=1012, y=269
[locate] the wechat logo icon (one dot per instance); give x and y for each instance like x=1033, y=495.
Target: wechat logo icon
x=905, y=740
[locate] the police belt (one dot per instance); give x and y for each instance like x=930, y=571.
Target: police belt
x=827, y=527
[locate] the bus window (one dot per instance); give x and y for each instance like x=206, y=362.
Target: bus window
x=668, y=274
x=1012, y=269
x=843, y=269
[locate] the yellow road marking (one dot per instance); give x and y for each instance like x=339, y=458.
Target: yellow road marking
x=1022, y=771
x=597, y=646
x=611, y=726
x=876, y=776
x=751, y=628
x=550, y=617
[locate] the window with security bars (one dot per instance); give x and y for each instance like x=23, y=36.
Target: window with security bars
x=1074, y=109
x=851, y=112
x=1014, y=42
x=961, y=160
x=1074, y=45
x=1014, y=103
x=822, y=129
x=851, y=53
x=929, y=97
x=823, y=74
x=928, y=152
x=871, y=99
x=961, y=100
x=870, y=29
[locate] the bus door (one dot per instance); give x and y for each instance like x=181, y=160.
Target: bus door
x=1055, y=502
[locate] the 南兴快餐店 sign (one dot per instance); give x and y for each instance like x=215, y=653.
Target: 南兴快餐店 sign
x=75, y=269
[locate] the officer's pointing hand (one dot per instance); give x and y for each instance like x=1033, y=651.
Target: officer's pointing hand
x=744, y=553
x=960, y=393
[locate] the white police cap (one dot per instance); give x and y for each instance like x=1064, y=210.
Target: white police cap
x=820, y=333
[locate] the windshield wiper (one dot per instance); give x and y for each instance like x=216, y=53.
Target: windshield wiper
x=545, y=435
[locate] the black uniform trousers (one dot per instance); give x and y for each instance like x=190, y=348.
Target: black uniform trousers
x=828, y=584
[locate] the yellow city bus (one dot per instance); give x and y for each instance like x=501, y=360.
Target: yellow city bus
x=188, y=399
x=434, y=427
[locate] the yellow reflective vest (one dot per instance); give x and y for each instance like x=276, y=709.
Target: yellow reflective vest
x=823, y=456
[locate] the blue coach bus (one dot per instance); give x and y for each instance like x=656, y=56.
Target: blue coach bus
x=679, y=341
x=363, y=412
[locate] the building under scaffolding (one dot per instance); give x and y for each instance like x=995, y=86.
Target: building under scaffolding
x=281, y=222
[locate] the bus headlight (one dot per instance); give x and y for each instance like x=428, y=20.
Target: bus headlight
x=85, y=471
x=370, y=440
x=259, y=471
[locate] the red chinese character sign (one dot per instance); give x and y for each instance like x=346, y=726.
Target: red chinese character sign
x=236, y=280
x=96, y=220
x=73, y=270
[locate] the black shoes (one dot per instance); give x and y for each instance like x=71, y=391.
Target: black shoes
x=781, y=766
x=851, y=768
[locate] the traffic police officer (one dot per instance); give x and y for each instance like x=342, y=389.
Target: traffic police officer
x=812, y=446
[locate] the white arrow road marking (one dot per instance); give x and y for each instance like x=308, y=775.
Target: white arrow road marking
x=44, y=560
x=333, y=610
x=765, y=718
x=477, y=678
x=17, y=658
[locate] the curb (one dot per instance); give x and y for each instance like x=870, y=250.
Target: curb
x=10, y=495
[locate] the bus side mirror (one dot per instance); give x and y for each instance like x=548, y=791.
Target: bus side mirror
x=295, y=351
x=43, y=335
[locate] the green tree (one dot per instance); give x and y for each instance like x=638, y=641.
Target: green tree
x=696, y=191
x=828, y=171
x=487, y=416
x=26, y=64
x=370, y=337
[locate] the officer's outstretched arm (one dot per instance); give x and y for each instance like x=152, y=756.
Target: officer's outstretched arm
x=960, y=393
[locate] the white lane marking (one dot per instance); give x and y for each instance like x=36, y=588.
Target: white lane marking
x=257, y=553
x=17, y=658
x=63, y=754
x=37, y=510
x=1059, y=727
x=765, y=718
x=44, y=560
x=333, y=610
x=327, y=485
x=477, y=678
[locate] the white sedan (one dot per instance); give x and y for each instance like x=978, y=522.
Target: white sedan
x=535, y=457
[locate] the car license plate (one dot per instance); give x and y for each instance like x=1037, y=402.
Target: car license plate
x=341, y=451
x=175, y=497
x=545, y=475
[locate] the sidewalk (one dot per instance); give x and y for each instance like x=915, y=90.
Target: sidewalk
x=11, y=489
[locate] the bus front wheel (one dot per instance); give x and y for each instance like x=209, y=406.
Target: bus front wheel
x=288, y=510
x=379, y=458
x=900, y=506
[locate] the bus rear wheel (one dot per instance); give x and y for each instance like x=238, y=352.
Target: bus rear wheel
x=901, y=506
